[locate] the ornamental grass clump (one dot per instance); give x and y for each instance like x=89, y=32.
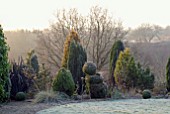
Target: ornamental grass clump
x=50, y=96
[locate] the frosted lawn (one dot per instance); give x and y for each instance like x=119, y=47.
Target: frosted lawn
x=128, y=106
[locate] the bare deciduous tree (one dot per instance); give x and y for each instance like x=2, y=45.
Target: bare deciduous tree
x=146, y=33
x=51, y=41
x=104, y=32
x=97, y=32
x=48, y=49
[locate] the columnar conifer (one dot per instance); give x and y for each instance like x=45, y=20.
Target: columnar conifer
x=114, y=54
x=74, y=58
x=4, y=66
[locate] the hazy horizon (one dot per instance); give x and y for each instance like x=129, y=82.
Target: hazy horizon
x=37, y=14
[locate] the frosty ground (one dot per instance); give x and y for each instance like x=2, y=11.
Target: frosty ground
x=121, y=106
x=125, y=106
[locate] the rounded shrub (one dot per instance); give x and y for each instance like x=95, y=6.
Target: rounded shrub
x=98, y=90
x=20, y=96
x=96, y=79
x=146, y=94
x=89, y=68
x=63, y=82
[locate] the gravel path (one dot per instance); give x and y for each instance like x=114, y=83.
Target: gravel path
x=126, y=106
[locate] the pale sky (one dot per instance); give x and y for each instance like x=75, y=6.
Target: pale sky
x=37, y=14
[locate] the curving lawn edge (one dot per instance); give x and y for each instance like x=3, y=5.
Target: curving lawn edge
x=124, y=106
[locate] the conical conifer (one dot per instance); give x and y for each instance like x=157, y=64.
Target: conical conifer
x=74, y=58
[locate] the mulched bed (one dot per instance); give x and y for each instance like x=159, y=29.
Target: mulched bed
x=23, y=107
x=28, y=107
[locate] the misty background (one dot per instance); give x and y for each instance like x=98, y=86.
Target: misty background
x=42, y=26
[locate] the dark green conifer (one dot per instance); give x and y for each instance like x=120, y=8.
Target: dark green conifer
x=32, y=61
x=74, y=58
x=4, y=67
x=114, y=54
x=168, y=75
x=63, y=82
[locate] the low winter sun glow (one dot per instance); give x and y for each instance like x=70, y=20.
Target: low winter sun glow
x=37, y=14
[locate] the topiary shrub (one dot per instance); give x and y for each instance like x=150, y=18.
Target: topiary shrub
x=95, y=79
x=98, y=90
x=146, y=94
x=20, y=96
x=87, y=84
x=63, y=82
x=89, y=68
x=95, y=87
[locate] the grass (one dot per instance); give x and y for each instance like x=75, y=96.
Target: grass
x=123, y=106
x=50, y=96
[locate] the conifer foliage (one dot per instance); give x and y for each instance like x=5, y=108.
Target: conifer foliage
x=125, y=71
x=4, y=66
x=32, y=61
x=114, y=54
x=72, y=36
x=128, y=74
x=74, y=58
x=63, y=82
x=168, y=75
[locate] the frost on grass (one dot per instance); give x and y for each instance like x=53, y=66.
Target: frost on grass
x=131, y=106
